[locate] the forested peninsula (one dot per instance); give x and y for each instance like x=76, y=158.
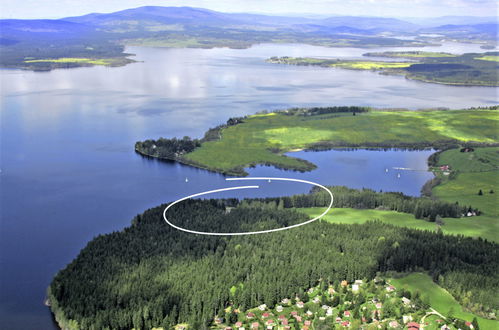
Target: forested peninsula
x=471, y=69
x=136, y=278
x=265, y=138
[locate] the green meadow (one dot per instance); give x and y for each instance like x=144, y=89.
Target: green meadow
x=485, y=227
x=78, y=60
x=472, y=172
x=264, y=138
x=492, y=58
x=439, y=299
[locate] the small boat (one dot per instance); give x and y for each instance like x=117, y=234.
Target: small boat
x=186, y=180
x=386, y=170
x=269, y=181
x=398, y=175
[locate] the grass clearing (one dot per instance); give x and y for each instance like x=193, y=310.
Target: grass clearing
x=482, y=226
x=441, y=300
x=492, y=58
x=93, y=61
x=251, y=142
x=474, y=171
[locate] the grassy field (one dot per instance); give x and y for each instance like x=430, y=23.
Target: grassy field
x=485, y=227
x=441, y=300
x=474, y=171
x=93, y=61
x=370, y=65
x=252, y=141
x=488, y=58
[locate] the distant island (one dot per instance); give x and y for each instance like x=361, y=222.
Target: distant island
x=470, y=69
x=99, y=39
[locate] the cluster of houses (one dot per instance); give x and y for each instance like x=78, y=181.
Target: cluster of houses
x=318, y=310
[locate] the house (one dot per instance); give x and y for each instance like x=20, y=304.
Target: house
x=265, y=315
x=308, y=323
x=325, y=307
x=344, y=283
x=298, y=318
x=285, y=322
x=407, y=318
x=282, y=317
x=311, y=290
x=393, y=324
x=390, y=288
x=300, y=304
x=294, y=313
x=355, y=287
x=250, y=315
x=309, y=313
x=238, y=324
x=329, y=312
x=359, y=282
x=413, y=326
x=445, y=327
x=255, y=325
x=406, y=301
x=322, y=318
x=331, y=291
x=379, y=305
x=345, y=324
x=228, y=328
x=270, y=322
x=219, y=320
x=444, y=168
x=317, y=300
x=469, y=325
x=338, y=319
x=285, y=301
x=262, y=307
x=346, y=313
x=279, y=308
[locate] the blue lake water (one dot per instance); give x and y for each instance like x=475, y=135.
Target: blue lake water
x=69, y=172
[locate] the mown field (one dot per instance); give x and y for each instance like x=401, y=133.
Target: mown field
x=482, y=226
x=264, y=138
x=441, y=300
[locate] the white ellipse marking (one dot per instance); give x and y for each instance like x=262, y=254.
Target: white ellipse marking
x=248, y=187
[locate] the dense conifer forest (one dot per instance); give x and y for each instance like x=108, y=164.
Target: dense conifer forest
x=151, y=275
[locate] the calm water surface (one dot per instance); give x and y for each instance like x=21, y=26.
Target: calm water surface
x=69, y=173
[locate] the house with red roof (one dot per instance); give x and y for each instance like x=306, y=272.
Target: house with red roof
x=413, y=326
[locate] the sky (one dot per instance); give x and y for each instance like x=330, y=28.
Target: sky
x=386, y=8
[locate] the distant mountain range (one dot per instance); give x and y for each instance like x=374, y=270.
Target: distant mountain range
x=103, y=35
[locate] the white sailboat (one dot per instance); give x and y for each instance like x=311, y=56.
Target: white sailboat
x=186, y=180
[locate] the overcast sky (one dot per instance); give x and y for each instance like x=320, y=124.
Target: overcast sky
x=388, y=8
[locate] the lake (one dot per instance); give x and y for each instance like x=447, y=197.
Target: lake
x=69, y=172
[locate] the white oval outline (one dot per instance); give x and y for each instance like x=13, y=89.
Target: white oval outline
x=248, y=187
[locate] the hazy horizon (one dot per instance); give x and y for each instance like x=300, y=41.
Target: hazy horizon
x=419, y=9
